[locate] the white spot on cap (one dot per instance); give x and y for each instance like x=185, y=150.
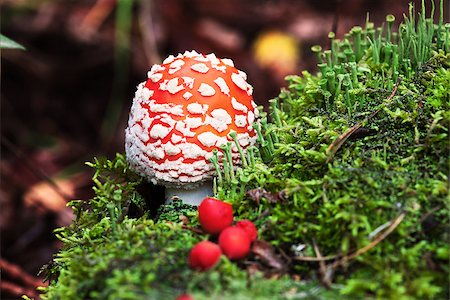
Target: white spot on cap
x=220, y=119
x=208, y=139
x=212, y=57
x=176, y=66
x=238, y=106
x=191, y=150
x=222, y=140
x=206, y=90
x=146, y=93
x=175, y=139
x=166, y=108
x=156, y=152
x=170, y=149
x=168, y=120
x=173, y=87
x=201, y=68
x=155, y=69
x=193, y=122
x=169, y=59
x=222, y=69
x=243, y=74
x=228, y=62
x=159, y=131
x=183, y=129
x=222, y=85
x=239, y=81
x=190, y=54
x=187, y=95
x=240, y=120
x=197, y=108
x=251, y=117
x=201, y=58
x=155, y=77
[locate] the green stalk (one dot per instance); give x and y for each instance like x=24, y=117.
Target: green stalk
x=233, y=135
x=275, y=112
x=317, y=49
x=215, y=161
x=329, y=59
x=228, y=155
x=331, y=81
x=390, y=21
x=121, y=69
x=356, y=32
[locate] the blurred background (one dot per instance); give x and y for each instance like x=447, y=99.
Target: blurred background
x=65, y=99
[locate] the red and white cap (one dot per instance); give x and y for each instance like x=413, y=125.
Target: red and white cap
x=186, y=109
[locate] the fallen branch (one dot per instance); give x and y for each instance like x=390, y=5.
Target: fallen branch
x=376, y=241
x=196, y=230
x=315, y=259
x=325, y=276
x=16, y=272
x=16, y=290
x=393, y=224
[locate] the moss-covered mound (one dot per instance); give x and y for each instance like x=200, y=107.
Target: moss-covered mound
x=349, y=185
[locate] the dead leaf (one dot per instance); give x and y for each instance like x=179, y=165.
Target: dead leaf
x=266, y=253
x=362, y=132
x=259, y=193
x=45, y=197
x=334, y=147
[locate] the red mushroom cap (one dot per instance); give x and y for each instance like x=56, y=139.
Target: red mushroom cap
x=215, y=215
x=186, y=109
x=204, y=255
x=234, y=242
x=249, y=227
x=184, y=297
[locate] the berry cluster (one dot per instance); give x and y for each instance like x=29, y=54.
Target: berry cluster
x=216, y=218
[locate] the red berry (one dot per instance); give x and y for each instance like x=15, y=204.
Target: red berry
x=249, y=228
x=234, y=242
x=215, y=215
x=184, y=297
x=204, y=255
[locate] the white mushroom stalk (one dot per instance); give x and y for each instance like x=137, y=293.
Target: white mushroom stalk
x=186, y=108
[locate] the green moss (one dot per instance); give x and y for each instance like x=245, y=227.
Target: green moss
x=395, y=164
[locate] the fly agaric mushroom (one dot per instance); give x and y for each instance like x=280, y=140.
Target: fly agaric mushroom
x=186, y=108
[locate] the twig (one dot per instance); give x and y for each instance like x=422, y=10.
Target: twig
x=375, y=242
x=315, y=259
x=16, y=290
x=337, y=144
x=95, y=18
x=39, y=173
x=16, y=272
x=322, y=266
x=393, y=224
x=148, y=32
x=196, y=230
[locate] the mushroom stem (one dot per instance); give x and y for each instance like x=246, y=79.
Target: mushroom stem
x=190, y=196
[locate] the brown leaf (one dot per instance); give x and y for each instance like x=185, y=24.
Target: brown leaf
x=44, y=196
x=361, y=132
x=256, y=194
x=259, y=193
x=266, y=253
x=334, y=147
